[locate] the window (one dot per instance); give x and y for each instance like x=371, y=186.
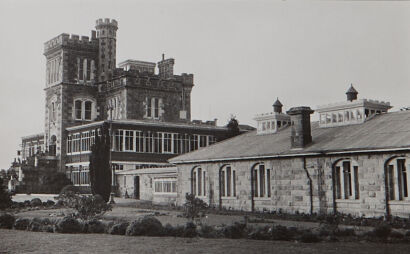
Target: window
x=78, y=109
x=228, y=182
x=129, y=140
x=198, y=182
x=118, y=140
x=202, y=140
x=153, y=106
x=261, y=181
x=53, y=115
x=166, y=185
x=87, y=110
x=397, y=179
x=347, y=180
x=167, y=143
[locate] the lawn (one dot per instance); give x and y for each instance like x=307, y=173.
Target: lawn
x=13, y=241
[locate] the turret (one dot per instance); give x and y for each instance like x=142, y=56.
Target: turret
x=166, y=67
x=106, y=35
x=351, y=93
x=277, y=106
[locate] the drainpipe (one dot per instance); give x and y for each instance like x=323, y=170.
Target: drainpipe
x=310, y=185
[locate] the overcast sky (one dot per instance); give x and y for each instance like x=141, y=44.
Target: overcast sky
x=243, y=54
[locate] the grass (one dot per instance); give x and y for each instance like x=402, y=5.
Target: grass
x=14, y=241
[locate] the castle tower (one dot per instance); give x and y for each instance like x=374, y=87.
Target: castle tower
x=106, y=35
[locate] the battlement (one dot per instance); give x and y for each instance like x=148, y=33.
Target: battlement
x=187, y=78
x=67, y=40
x=106, y=22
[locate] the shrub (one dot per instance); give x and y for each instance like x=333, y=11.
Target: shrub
x=397, y=235
x=261, y=233
x=21, y=224
x=190, y=230
x=68, y=225
x=5, y=199
x=50, y=203
x=7, y=221
x=95, y=226
x=194, y=206
x=35, y=226
x=283, y=233
x=36, y=202
x=177, y=231
x=382, y=231
x=146, y=226
x=344, y=232
x=309, y=237
x=119, y=229
x=207, y=231
x=235, y=231
x=90, y=206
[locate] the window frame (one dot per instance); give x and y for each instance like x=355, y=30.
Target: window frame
x=227, y=180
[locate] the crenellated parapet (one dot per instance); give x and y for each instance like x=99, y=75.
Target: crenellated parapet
x=106, y=22
x=67, y=40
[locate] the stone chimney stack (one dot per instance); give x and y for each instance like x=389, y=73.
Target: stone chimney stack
x=301, y=135
x=351, y=93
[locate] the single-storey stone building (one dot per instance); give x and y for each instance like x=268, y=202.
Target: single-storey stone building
x=353, y=161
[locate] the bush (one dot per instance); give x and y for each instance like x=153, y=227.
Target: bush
x=235, y=231
x=177, y=231
x=309, y=237
x=190, y=230
x=50, y=203
x=36, y=202
x=283, y=233
x=397, y=235
x=382, y=231
x=207, y=232
x=119, y=229
x=146, y=226
x=95, y=227
x=35, y=226
x=344, y=232
x=261, y=233
x=7, y=221
x=193, y=207
x=68, y=225
x=90, y=207
x=21, y=224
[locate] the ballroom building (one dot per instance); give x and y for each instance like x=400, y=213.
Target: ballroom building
x=354, y=160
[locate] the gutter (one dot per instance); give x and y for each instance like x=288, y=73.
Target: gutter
x=291, y=155
x=310, y=185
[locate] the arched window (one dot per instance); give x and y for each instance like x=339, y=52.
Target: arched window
x=87, y=110
x=347, y=179
x=198, y=182
x=228, y=181
x=398, y=179
x=261, y=181
x=78, y=109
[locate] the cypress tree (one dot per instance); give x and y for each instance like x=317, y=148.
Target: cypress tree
x=100, y=171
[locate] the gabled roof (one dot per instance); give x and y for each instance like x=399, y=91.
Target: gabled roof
x=386, y=131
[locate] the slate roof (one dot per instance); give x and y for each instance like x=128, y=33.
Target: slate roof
x=385, y=131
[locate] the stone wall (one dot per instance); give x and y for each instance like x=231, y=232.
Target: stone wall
x=290, y=186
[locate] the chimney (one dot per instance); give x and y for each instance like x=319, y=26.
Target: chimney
x=277, y=106
x=351, y=93
x=301, y=134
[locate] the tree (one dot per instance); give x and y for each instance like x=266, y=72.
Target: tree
x=233, y=126
x=5, y=200
x=100, y=171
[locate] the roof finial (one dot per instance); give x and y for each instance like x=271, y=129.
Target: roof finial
x=163, y=56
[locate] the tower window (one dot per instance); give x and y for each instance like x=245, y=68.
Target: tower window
x=87, y=110
x=78, y=110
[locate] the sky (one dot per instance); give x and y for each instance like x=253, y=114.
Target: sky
x=243, y=54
